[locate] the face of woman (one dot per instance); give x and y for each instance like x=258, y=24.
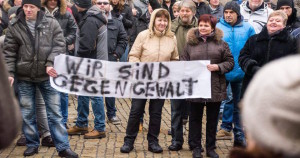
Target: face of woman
x=274, y=24
x=115, y=2
x=161, y=23
x=205, y=28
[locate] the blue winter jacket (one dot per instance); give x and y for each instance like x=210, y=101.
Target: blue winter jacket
x=236, y=38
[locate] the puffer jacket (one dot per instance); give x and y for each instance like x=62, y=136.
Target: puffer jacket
x=153, y=46
x=181, y=30
x=92, y=39
x=236, y=37
x=65, y=20
x=215, y=50
x=26, y=56
x=259, y=18
x=261, y=49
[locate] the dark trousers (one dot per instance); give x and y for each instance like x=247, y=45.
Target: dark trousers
x=136, y=112
x=196, y=114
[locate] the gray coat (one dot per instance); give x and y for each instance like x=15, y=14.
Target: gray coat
x=26, y=56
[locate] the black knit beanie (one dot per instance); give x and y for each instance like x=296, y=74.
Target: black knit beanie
x=281, y=3
x=37, y=3
x=83, y=3
x=233, y=6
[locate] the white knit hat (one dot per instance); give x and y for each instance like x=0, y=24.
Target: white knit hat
x=271, y=106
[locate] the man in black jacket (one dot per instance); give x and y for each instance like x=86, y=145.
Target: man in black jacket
x=116, y=42
x=91, y=43
x=32, y=41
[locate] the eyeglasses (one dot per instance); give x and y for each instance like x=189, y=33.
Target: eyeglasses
x=104, y=3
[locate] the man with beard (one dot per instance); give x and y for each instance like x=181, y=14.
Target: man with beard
x=180, y=26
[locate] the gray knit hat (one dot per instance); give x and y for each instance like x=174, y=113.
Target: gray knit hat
x=271, y=107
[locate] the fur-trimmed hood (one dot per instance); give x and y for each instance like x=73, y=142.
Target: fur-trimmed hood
x=62, y=5
x=192, y=38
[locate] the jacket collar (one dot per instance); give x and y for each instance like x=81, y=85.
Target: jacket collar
x=21, y=17
x=281, y=36
x=193, y=36
x=239, y=23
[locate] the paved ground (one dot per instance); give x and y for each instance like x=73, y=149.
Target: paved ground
x=110, y=146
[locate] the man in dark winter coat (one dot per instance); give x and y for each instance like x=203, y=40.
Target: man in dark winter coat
x=273, y=42
x=288, y=7
x=91, y=43
x=116, y=42
x=32, y=41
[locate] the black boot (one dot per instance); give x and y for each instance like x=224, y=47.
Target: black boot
x=212, y=153
x=68, y=153
x=31, y=151
x=155, y=147
x=47, y=141
x=21, y=141
x=175, y=147
x=197, y=152
x=127, y=147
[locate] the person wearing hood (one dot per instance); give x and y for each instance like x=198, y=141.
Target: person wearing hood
x=288, y=7
x=256, y=12
x=216, y=8
x=58, y=9
x=205, y=43
x=156, y=44
x=91, y=43
x=236, y=33
x=116, y=42
x=273, y=42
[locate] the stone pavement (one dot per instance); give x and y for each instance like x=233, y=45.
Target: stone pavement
x=110, y=146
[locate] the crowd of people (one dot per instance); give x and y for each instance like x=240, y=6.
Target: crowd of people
x=239, y=38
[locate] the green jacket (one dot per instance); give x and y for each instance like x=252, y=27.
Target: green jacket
x=26, y=56
x=181, y=30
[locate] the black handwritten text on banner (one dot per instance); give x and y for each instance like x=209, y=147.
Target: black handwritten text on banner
x=169, y=80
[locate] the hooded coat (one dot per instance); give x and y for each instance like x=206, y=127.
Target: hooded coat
x=263, y=48
x=154, y=46
x=26, y=56
x=215, y=50
x=65, y=20
x=236, y=37
x=259, y=18
x=92, y=40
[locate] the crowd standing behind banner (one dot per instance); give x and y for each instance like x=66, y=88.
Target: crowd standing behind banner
x=108, y=34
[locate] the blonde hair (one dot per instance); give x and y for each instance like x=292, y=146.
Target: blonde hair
x=176, y=5
x=279, y=13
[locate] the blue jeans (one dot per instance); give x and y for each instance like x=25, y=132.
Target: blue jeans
x=228, y=99
x=51, y=97
x=98, y=110
x=231, y=113
x=124, y=57
x=64, y=100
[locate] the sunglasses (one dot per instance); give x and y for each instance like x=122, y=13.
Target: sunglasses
x=104, y=3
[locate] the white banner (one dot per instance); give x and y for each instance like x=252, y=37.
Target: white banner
x=165, y=80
